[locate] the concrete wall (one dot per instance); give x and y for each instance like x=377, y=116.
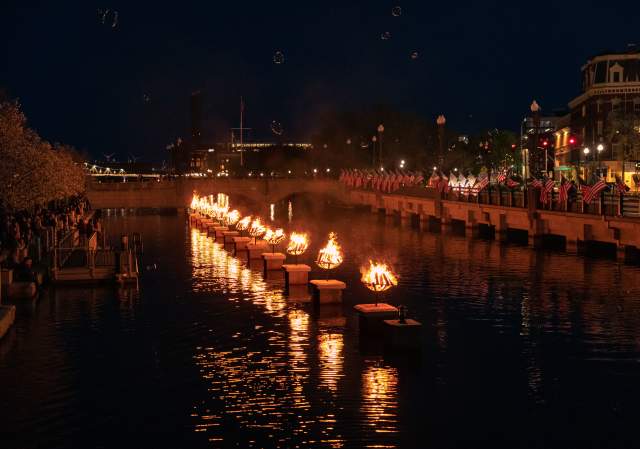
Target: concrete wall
x=577, y=229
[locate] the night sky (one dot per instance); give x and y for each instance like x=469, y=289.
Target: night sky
x=125, y=89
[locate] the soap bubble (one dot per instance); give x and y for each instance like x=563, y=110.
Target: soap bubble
x=146, y=98
x=276, y=128
x=108, y=17
x=385, y=36
x=396, y=11
x=414, y=54
x=278, y=57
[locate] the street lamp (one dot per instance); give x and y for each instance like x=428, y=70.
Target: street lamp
x=441, y=121
x=586, y=152
x=600, y=149
x=380, y=131
x=535, y=112
x=374, y=139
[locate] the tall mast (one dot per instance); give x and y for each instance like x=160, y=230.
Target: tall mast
x=241, y=132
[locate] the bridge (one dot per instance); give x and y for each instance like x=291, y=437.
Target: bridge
x=176, y=193
x=502, y=217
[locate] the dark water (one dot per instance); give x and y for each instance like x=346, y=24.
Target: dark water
x=519, y=349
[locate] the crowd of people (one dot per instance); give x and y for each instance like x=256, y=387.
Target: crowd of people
x=26, y=236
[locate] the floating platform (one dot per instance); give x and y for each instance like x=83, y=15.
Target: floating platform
x=273, y=261
x=296, y=274
x=402, y=335
x=327, y=291
x=371, y=317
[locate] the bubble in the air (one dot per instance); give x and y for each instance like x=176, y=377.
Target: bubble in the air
x=414, y=54
x=396, y=11
x=278, y=57
x=146, y=98
x=276, y=128
x=385, y=36
x=108, y=17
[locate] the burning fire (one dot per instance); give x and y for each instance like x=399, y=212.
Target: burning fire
x=232, y=217
x=378, y=277
x=298, y=244
x=243, y=224
x=195, y=201
x=257, y=229
x=331, y=255
x=274, y=237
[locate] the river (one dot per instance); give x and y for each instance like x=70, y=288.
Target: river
x=520, y=348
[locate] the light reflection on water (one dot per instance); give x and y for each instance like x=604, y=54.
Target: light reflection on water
x=267, y=393
x=517, y=345
x=379, y=398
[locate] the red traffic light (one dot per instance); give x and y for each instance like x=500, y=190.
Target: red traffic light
x=572, y=140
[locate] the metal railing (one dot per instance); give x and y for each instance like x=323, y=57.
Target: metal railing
x=607, y=203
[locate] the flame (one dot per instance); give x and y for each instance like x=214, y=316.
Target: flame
x=232, y=217
x=298, y=244
x=195, y=201
x=243, y=224
x=274, y=237
x=257, y=229
x=378, y=277
x=331, y=255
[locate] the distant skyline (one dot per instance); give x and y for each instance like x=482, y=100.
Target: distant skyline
x=125, y=89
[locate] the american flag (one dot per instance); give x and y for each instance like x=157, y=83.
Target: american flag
x=589, y=193
x=621, y=186
x=546, y=189
x=484, y=182
x=536, y=184
x=563, y=191
x=512, y=184
x=502, y=177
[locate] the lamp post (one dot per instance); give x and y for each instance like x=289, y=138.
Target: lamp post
x=535, y=112
x=586, y=152
x=600, y=149
x=380, y=131
x=374, y=139
x=441, y=121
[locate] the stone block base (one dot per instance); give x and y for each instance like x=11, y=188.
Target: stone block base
x=273, y=261
x=402, y=335
x=219, y=231
x=371, y=316
x=327, y=292
x=229, y=235
x=257, y=249
x=297, y=274
x=240, y=244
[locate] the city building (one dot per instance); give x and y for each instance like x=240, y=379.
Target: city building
x=601, y=133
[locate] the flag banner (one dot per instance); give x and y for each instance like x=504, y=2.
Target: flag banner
x=589, y=193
